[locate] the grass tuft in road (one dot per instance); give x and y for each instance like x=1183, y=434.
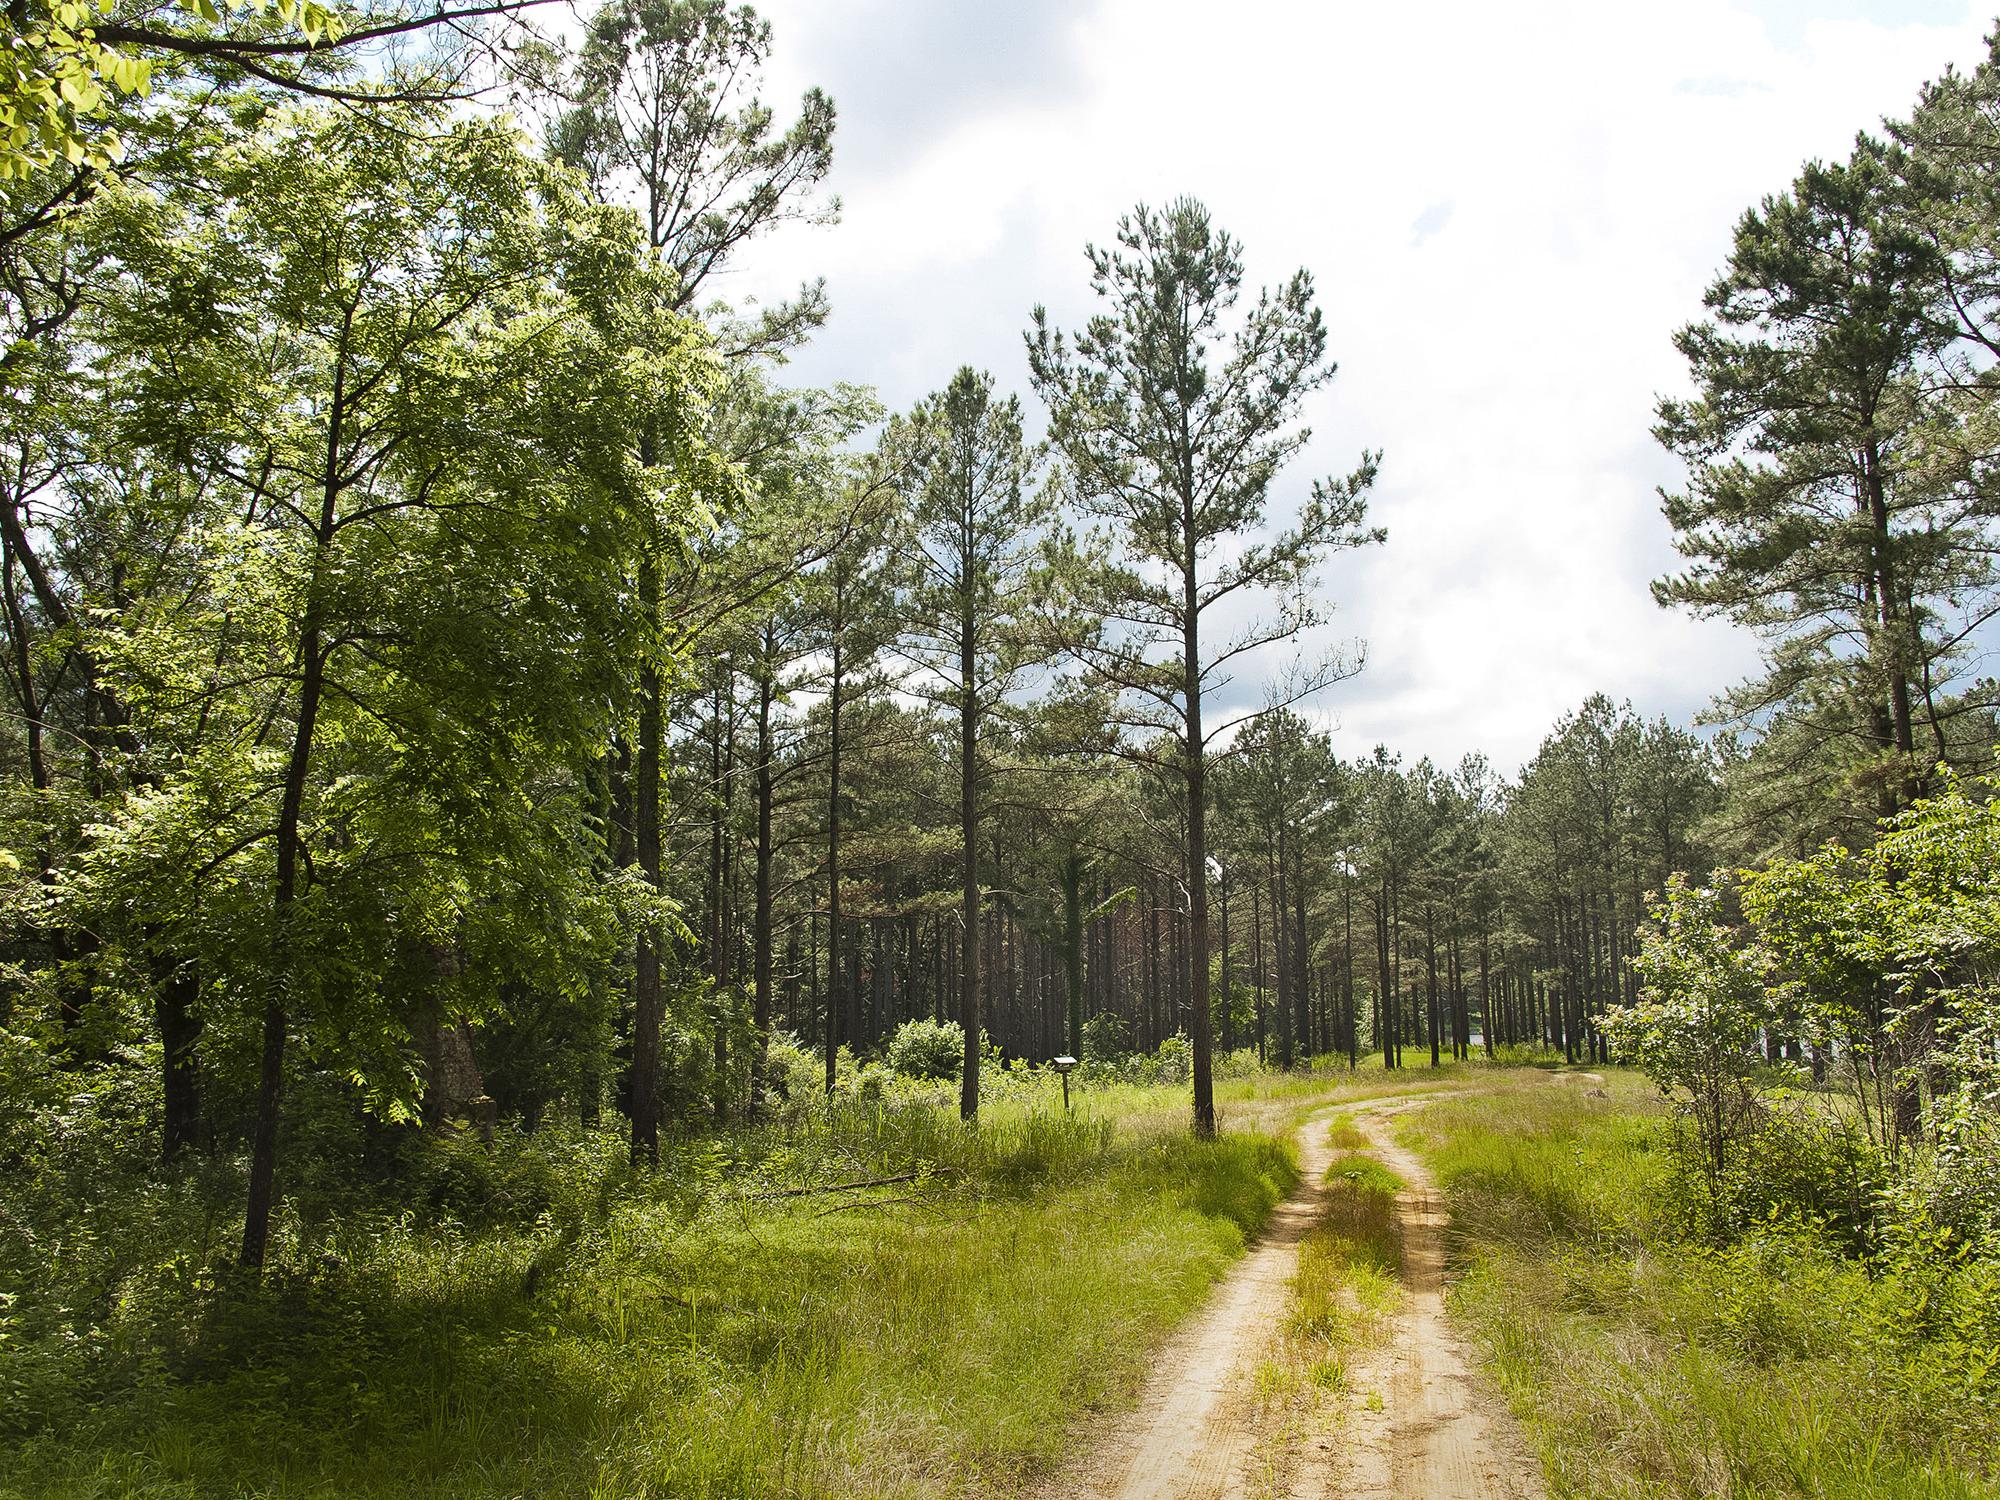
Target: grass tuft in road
x=1344, y=1295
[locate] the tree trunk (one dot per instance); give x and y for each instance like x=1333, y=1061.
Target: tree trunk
x=647, y=1003
x=761, y=941
x=289, y=845
x=833, y=974
x=1072, y=878
x=968, y=827
x=174, y=1006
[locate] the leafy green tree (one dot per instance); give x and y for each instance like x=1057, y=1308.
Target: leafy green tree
x=1697, y=1024
x=1174, y=419
x=399, y=373
x=667, y=113
x=1275, y=786
x=77, y=78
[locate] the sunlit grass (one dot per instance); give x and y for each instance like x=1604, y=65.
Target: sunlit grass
x=549, y=1323
x=1646, y=1365
x=699, y=1336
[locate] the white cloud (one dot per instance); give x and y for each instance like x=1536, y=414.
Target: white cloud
x=1508, y=209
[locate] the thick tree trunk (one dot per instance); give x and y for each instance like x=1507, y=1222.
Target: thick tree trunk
x=1257, y=958
x=1348, y=1021
x=723, y=1010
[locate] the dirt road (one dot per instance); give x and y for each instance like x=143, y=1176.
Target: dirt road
x=1438, y=1434
x=1441, y=1433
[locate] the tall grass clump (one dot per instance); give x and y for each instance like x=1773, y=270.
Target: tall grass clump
x=1651, y=1356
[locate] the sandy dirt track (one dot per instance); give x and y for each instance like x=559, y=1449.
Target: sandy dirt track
x=1442, y=1434
x=1438, y=1435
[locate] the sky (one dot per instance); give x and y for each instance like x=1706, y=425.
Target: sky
x=1507, y=210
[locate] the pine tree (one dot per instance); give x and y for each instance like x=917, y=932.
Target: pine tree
x=1174, y=419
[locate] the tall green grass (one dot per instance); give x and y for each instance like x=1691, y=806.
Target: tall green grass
x=1649, y=1364
x=681, y=1333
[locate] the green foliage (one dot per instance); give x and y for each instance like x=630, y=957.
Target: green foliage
x=1831, y=503
x=1648, y=1364
x=65, y=63
x=1106, y=1038
x=733, y=1343
x=1697, y=1026
x=701, y=192
x=926, y=1049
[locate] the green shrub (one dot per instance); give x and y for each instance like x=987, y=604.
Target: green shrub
x=924, y=1048
x=1799, y=1165
x=1106, y=1038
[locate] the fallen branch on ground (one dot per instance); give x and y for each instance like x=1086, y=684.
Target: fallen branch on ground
x=865, y=1203
x=845, y=1187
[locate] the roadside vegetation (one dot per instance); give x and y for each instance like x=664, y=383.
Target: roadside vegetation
x=534, y=1316
x=1656, y=1349
x=579, y=918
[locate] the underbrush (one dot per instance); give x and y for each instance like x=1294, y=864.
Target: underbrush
x=537, y=1318
x=1651, y=1355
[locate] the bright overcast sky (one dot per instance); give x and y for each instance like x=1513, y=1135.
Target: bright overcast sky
x=1508, y=210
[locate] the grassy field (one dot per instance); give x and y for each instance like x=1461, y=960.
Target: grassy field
x=1647, y=1363
x=706, y=1330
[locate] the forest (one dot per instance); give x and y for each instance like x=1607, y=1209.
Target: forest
x=580, y=918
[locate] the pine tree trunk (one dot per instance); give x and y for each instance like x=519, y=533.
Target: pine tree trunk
x=761, y=940
x=968, y=817
x=833, y=975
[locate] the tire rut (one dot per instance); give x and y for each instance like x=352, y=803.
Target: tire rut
x=1441, y=1433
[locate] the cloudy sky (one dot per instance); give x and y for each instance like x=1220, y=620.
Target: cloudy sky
x=1507, y=209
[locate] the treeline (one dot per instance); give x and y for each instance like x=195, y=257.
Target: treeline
x=1359, y=906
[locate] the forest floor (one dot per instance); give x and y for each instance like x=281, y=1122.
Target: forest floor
x=1400, y=1410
